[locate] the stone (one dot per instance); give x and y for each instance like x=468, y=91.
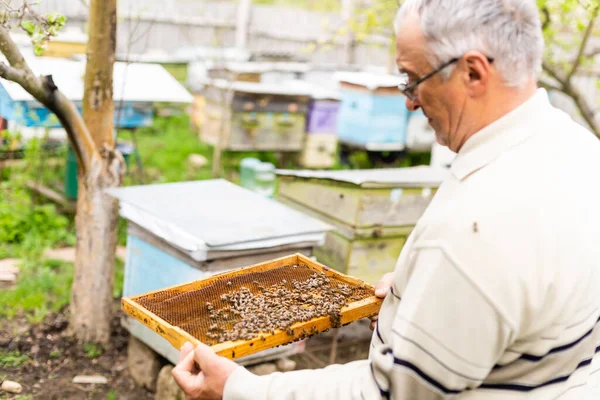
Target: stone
x=7, y=279
x=66, y=254
x=286, y=365
x=122, y=252
x=90, y=379
x=11, y=387
x=9, y=266
x=263, y=369
x=166, y=387
x=197, y=161
x=143, y=364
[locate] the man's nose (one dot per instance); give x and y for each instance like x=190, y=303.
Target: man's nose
x=413, y=105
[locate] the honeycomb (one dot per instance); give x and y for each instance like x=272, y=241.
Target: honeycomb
x=247, y=306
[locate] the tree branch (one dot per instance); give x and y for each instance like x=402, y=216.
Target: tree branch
x=549, y=86
x=584, y=42
x=593, y=53
x=553, y=73
x=548, y=18
x=44, y=91
x=587, y=112
x=12, y=74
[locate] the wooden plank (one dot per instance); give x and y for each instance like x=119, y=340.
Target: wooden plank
x=346, y=230
x=335, y=252
x=359, y=208
x=373, y=258
x=365, y=259
x=338, y=202
x=320, y=151
x=177, y=337
x=394, y=207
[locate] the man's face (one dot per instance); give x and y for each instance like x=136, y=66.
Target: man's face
x=442, y=101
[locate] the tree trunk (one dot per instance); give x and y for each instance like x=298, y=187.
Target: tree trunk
x=97, y=213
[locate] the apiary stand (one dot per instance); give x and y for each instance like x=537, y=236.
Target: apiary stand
x=182, y=232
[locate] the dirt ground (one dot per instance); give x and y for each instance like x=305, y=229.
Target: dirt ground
x=55, y=358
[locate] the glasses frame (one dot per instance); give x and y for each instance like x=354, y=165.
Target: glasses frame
x=409, y=89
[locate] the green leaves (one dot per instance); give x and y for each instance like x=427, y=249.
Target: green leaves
x=41, y=29
x=56, y=20
x=29, y=27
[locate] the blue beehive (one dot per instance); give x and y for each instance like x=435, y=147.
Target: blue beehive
x=373, y=113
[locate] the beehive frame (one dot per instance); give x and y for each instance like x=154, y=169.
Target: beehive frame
x=177, y=336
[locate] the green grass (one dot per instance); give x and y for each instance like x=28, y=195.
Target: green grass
x=119, y=278
x=93, y=350
x=164, y=149
x=13, y=359
x=44, y=286
x=55, y=354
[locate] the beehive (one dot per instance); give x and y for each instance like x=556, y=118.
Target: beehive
x=374, y=212
x=247, y=116
x=298, y=297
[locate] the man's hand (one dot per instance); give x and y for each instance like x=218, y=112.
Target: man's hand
x=381, y=290
x=201, y=373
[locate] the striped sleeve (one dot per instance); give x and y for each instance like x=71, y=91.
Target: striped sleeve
x=446, y=338
x=447, y=334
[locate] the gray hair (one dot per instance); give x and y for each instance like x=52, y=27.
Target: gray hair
x=507, y=30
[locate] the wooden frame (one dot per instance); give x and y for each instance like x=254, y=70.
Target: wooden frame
x=177, y=337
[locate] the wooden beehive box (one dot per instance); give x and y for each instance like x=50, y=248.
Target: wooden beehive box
x=321, y=141
x=246, y=116
x=183, y=313
x=373, y=211
x=373, y=114
x=319, y=152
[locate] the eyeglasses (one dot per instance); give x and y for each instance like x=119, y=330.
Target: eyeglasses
x=408, y=89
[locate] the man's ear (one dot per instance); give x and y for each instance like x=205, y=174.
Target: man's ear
x=478, y=73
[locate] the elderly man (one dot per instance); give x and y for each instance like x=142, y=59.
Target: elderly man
x=496, y=294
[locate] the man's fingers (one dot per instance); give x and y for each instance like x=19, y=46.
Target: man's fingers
x=187, y=364
x=182, y=372
x=202, y=355
x=384, y=285
x=186, y=349
x=373, y=325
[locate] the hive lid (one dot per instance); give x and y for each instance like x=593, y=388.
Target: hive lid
x=422, y=176
x=261, y=88
x=215, y=215
x=369, y=80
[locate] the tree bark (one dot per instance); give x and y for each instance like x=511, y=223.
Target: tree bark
x=97, y=213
